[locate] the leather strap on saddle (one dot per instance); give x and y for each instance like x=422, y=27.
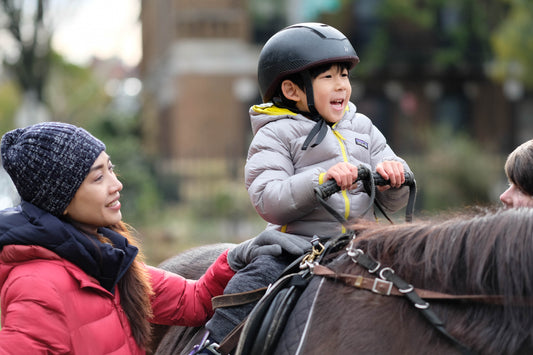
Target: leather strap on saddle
x=237, y=299
x=232, y=339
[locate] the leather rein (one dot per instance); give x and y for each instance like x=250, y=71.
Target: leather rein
x=387, y=283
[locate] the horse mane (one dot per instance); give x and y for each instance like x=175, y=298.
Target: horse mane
x=481, y=253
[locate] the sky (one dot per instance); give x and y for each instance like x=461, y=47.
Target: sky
x=100, y=28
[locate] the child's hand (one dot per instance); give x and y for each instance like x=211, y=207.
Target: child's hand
x=344, y=174
x=393, y=171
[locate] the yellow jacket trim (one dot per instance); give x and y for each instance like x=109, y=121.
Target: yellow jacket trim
x=272, y=110
x=340, y=138
x=321, y=178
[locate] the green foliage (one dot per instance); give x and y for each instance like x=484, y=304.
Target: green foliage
x=375, y=55
x=9, y=102
x=452, y=35
x=422, y=14
x=229, y=200
x=513, y=44
x=454, y=171
x=74, y=93
x=140, y=196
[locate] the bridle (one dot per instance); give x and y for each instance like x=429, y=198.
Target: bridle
x=388, y=283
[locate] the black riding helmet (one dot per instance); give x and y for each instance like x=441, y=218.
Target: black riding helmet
x=296, y=49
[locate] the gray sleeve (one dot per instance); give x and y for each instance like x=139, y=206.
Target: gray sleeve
x=393, y=199
x=277, y=193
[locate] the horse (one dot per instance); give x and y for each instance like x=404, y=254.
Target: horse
x=481, y=262
x=191, y=264
x=488, y=254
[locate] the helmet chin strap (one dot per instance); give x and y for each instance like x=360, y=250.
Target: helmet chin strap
x=321, y=128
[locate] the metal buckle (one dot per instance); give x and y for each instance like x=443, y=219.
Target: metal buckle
x=205, y=344
x=316, y=251
x=213, y=348
x=358, y=281
x=382, y=287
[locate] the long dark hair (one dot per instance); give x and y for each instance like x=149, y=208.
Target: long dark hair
x=135, y=291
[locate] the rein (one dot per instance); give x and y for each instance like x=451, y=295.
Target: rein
x=384, y=285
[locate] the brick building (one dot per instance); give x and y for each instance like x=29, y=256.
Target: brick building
x=199, y=74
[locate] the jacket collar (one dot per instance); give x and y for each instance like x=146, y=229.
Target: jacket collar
x=29, y=225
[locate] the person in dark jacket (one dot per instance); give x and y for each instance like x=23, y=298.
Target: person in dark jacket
x=72, y=278
x=520, y=176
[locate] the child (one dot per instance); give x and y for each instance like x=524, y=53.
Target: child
x=520, y=175
x=306, y=132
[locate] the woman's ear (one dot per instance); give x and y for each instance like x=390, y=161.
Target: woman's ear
x=291, y=91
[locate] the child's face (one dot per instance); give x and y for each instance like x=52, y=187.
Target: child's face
x=516, y=197
x=332, y=91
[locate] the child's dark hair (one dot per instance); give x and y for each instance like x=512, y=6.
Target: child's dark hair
x=280, y=99
x=518, y=167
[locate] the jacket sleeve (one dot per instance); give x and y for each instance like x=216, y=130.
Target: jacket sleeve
x=278, y=194
x=392, y=199
x=178, y=301
x=33, y=318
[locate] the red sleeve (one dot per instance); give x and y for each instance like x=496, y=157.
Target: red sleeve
x=178, y=301
x=33, y=317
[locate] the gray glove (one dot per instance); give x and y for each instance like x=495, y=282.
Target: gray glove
x=269, y=242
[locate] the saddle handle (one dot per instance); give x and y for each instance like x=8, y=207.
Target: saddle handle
x=330, y=187
x=370, y=181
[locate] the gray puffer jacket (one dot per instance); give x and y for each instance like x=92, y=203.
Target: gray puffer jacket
x=280, y=176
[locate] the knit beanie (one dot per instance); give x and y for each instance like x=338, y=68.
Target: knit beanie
x=48, y=162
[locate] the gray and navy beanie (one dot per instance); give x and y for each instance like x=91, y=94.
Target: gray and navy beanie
x=48, y=162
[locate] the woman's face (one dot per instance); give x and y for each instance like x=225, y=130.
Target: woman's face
x=515, y=197
x=96, y=203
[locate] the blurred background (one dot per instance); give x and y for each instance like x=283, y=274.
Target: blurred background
x=167, y=85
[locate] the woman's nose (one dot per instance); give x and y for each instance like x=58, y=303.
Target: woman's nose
x=117, y=185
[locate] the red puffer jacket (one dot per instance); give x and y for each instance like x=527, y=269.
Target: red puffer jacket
x=49, y=305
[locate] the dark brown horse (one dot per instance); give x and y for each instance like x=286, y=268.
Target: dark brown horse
x=485, y=254
x=190, y=264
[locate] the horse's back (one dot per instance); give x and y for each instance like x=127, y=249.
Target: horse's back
x=190, y=264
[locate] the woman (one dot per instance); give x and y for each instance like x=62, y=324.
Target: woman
x=518, y=169
x=72, y=279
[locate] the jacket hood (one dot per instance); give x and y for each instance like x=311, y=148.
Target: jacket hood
x=27, y=224
x=262, y=114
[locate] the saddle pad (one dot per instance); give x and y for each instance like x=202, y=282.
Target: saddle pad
x=299, y=318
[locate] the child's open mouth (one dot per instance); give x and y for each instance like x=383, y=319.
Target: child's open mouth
x=337, y=103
